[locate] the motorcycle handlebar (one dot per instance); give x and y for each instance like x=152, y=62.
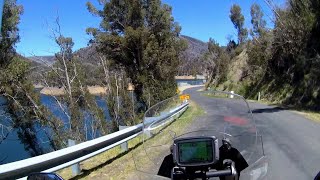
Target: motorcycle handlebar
x=227, y=172
x=219, y=173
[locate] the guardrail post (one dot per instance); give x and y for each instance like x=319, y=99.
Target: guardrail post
x=147, y=134
x=123, y=146
x=231, y=95
x=76, y=167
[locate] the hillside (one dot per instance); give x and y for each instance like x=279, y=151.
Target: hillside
x=191, y=59
x=88, y=55
x=36, y=68
x=236, y=73
x=45, y=60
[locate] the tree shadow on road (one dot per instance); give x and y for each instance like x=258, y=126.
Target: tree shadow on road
x=268, y=110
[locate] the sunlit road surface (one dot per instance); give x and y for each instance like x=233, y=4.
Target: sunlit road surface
x=184, y=87
x=291, y=142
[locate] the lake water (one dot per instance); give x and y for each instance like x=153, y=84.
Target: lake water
x=13, y=149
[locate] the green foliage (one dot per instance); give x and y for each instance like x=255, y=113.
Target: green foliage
x=121, y=103
x=283, y=63
x=15, y=71
x=65, y=44
x=259, y=53
x=295, y=56
x=257, y=21
x=24, y=106
x=71, y=75
x=231, y=46
x=218, y=63
x=237, y=19
x=9, y=32
x=142, y=37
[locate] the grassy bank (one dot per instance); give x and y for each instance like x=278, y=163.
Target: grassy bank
x=116, y=165
x=309, y=114
x=314, y=116
x=55, y=91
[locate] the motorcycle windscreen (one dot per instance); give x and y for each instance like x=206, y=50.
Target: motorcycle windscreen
x=226, y=116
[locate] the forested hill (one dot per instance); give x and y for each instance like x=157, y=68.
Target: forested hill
x=191, y=59
x=45, y=60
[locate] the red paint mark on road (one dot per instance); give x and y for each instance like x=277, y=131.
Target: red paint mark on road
x=236, y=120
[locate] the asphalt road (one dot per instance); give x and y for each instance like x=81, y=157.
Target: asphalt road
x=291, y=142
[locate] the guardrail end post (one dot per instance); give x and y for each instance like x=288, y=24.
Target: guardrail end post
x=231, y=95
x=147, y=134
x=123, y=146
x=76, y=167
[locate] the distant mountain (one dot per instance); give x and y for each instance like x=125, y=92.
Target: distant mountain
x=45, y=60
x=36, y=68
x=196, y=46
x=88, y=55
x=192, y=58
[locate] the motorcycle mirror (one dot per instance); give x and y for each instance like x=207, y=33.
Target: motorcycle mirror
x=44, y=176
x=317, y=177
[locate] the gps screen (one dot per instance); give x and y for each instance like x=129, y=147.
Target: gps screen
x=195, y=152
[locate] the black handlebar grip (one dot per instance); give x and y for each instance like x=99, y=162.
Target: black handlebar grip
x=226, y=172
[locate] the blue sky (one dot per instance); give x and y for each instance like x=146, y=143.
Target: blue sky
x=200, y=19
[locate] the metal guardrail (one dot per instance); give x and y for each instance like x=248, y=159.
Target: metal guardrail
x=66, y=157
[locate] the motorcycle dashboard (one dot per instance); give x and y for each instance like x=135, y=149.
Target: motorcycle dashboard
x=195, y=151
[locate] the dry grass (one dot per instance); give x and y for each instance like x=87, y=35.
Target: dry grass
x=97, y=90
x=116, y=165
x=55, y=91
x=314, y=116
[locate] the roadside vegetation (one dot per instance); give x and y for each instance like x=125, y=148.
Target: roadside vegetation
x=282, y=62
x=315, y=116
x=137, y=54
x=135, y=58
x=116, y=165
x=24, y=109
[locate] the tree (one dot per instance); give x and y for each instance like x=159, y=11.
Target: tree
x=76, y=103
x=231, y=46
x=217, y=62
x=24, y=108
x=257, y=21
x=293, y=28
x=259, y=49
x=142, y=37
x=238, y=21
x=9, y=32
x=290, y=54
